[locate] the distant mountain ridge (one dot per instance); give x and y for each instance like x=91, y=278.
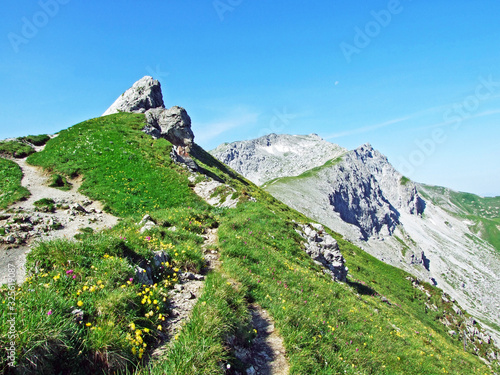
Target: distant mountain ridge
x=274, y=156
x=363, y=197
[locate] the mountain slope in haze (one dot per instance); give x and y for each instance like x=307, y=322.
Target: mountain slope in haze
x=103, y=302
x=363, y=197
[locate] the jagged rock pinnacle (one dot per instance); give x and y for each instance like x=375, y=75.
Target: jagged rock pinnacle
x=145, y=96
x=142, y=96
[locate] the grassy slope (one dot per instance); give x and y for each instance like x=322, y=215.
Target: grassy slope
x=485, y=212
x=123, y=167
x=97, y=275
x=327, y=327
x=10, y=183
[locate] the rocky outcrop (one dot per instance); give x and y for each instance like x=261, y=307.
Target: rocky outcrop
x=142, y=96
x=367, y=191
x=398, y=190
x=217, y=194
x=174, y=124
x=324, y=250
x=272, y=156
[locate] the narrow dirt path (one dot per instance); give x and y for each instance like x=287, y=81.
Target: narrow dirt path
x=28, y=226
x=266, y=356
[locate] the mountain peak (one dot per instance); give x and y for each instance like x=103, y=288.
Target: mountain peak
x=277, y=155
x=143, y=95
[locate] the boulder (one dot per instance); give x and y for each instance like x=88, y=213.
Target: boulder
x=160, y=258
x=143, y=95
x=78, y=315
x=173, y=124
x=143, y=275
x=147, y=226
x=10, y=239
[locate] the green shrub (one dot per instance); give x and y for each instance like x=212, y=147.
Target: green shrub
x=45, y=205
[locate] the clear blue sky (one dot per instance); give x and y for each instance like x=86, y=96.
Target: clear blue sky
x=419, y=80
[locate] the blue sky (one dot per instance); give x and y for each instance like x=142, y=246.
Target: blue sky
x=419, y=80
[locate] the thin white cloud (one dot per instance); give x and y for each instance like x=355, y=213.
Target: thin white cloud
x=239, y=117
x=412, y=116
x=471, y=117
x=367, y=129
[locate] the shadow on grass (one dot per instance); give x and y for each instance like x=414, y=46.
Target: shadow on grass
x=364, y=290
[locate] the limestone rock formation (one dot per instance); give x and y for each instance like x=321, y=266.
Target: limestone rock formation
x=324, y=250
x=143, y=95
x=173, y=124
x=366, y=190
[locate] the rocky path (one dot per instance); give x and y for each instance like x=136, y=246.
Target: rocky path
x=266, y=356
x=185, y=294
x=25, y=225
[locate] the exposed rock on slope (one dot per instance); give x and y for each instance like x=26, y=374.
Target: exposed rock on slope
x=365, y=190
x=173, y=124
x=324, y=250
x=216, y=194
x=274, y=156
x=143, y=95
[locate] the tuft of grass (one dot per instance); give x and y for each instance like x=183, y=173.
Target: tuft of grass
x=404, y=180
x=15, y=149
x=45, y=205
x=11, y=189
x=404, y=247
x=59, y=182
